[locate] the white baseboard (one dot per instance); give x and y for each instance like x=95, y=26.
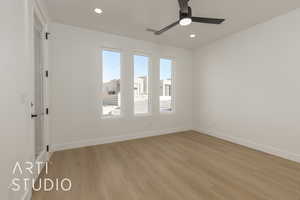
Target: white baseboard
x=42, y=158
x=253, y=145
x=106, y=140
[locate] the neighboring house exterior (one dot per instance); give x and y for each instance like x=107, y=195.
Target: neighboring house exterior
x=165, y=87
x=165, y=94
x=111, y=93
x=111, y=90
x=141, y=86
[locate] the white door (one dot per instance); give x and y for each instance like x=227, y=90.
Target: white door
x=39, y=107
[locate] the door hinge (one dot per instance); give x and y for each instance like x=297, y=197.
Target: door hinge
x=47, y=148
x=47, y=111
x=47, y=35
x=34, y=116
x=47, y=73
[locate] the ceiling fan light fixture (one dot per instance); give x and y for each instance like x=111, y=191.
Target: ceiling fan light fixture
x=185, y=21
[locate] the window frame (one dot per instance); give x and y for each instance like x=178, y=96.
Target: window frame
x=150, y=73
x=173, y=91
x=117, y=50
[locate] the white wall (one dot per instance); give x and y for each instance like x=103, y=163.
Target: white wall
x=17, y=92
x=248, y=87
x=16, y=86
x=75, y=82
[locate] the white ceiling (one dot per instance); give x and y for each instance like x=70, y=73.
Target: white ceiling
x=131, y=17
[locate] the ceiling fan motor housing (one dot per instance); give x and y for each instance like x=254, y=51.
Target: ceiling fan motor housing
x=183, y=15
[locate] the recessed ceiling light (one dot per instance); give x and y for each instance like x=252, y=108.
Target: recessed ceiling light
x=98, y=10
x=192, y=35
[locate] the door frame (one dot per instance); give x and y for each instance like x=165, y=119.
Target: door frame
x=37, y=12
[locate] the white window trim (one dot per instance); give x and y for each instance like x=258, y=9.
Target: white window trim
x=100, y=91
x=173, y=93
x=150, y=74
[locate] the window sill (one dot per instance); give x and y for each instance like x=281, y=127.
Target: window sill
x=143, y=115
x=167, y=112
x=111, y=117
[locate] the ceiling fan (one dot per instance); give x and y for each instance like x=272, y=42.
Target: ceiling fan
x=186, y=18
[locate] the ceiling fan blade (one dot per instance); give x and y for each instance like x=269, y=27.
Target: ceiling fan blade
x=166, y=28
x=151, y=30
x=207, y=20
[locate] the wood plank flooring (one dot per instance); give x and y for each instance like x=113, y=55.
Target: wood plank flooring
x=181, y=166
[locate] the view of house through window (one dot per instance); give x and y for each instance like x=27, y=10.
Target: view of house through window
x=111, y=89
x=165, y=90
x=141, y=84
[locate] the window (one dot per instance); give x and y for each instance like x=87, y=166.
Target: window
x=141, y=84
x=111, y=84
x=166, y=86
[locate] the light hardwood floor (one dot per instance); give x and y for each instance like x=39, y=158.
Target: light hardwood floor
x=181, y=166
